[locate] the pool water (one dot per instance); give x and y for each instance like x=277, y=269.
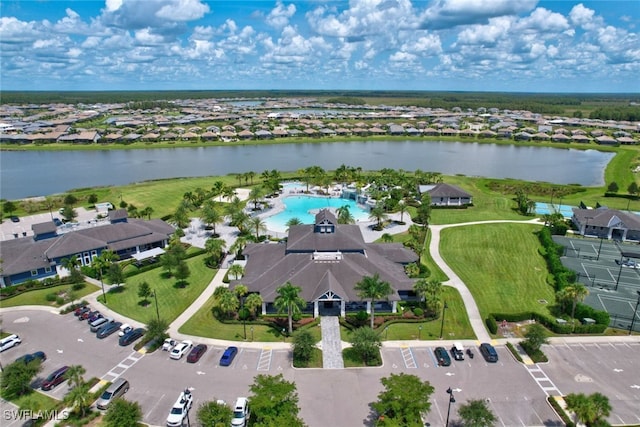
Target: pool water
x=300, y=207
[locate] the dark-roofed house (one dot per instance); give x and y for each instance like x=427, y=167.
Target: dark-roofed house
x=607, y=223
x=446, y=195
x=41, y=256
x=327, y=260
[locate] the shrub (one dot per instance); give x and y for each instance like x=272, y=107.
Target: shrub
x=59, y=300
x=418, y=311
x=51, y=296
x=492, y=325
x=78, y=286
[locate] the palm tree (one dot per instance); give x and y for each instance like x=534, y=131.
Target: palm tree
x=253, y=302
x=372, y=288
x=251, y=174
x=238, y=246
x=377, y=214
x=211, y=215
x=74, y=375
x=71, y=263
x=236, y=270
x=344, y=215
x=429, y=291
x=214, y=248
x=79, y=397
x=289, y=300
x=148, y=211
x=240, y=291
x=402, y=208
x=257, y=224
x=577, y=292
x=216, y=189
x=227, y=302
x=580, y=405
x=293, y=221
x=255, y=196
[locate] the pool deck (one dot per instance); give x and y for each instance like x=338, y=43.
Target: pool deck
x=197, y=236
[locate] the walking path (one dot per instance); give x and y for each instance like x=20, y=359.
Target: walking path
x=331, y=343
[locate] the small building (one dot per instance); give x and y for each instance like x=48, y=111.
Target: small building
x=607, y=223
x=446, y=195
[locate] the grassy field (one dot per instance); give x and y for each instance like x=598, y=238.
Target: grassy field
x=500, y=265
x=39, y=297
x=172, y=300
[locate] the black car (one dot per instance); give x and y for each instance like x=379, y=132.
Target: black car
x=442, y=356
x=108, y=329
x=488, y=352
x=39, y=355
x=15, y=219
x=131, y=336
x=196, y=353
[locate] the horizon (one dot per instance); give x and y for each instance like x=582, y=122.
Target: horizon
x=491, y=46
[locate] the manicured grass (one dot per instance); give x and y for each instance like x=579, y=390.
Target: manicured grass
x=500, y=265
x=353, y=360
x=172, y=300
x=39, y=297
x=316, y=360
x=35, y=401
x=456, y=324
x=204, y=324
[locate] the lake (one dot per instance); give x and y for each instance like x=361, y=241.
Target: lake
x=39, y=173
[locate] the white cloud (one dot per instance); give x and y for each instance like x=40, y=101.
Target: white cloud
x=496, y=29
x=74, y=52
x=424, y=46
x=544, y=20
x=581, y=15
x=146, y=37
x=280, y=15
x=183, y=10
x=402, y=57
x=451, y=13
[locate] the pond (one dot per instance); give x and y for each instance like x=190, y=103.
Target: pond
x=39, y=173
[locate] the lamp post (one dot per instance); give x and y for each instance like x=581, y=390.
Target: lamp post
x=451, y=400
x=386, y=333
x=635, y=310
x=599, y=249
x=157, y=310
x=444, y=307
x=251, y=328
x=419, y=332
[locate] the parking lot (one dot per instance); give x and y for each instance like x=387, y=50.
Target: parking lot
x=600, y=266
x=156, y=380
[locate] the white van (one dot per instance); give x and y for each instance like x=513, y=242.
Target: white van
x=457, y=351
x=241, y=412
x=7, y=342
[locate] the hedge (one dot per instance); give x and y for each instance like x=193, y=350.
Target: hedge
x=561, y=412
x=551, y=323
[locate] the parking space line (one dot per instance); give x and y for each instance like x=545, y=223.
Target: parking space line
x=407, y=357
x=264, y=362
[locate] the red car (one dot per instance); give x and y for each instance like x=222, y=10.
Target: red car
x=81, y=310
x=55, y=378
x=87, y=314
x=196, y=353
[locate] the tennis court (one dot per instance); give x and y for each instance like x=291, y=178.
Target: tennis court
x=607, y=269
x=548, y=208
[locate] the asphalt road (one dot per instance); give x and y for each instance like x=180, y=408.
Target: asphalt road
x=331, y=397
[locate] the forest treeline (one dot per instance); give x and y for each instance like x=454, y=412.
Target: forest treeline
x=596, y=106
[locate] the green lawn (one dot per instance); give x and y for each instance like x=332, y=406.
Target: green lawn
x=500, y=265
x=172, y=301
x=204, y=324
x=39, y=297
x=456, y=324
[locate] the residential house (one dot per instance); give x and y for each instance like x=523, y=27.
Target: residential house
x=446, y=195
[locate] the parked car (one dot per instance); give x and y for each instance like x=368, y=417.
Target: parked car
x=196, y=353
x=81, y=310
x=57, y=222
x=38, y=355
x=168, y=344
x=55, y=378
x=180, y=409
x=115, y=390
x=488, y=352
x=125, y=328
x=131, y=336
x=108, y=329
x=98, y=323
x=457, y=351
x=180, y=349
x=95, y=316
x=241, y=412
x=15, y=219
x=8, y=342
x=87, y=314
x=228, y=356
x=442, y=356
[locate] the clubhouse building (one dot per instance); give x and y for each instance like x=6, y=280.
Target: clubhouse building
x=327, y=260
x=40, y=256
x=607, y=223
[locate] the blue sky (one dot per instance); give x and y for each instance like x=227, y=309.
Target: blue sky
x=463, y=45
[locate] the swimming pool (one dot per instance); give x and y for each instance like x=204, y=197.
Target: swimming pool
x=305, y=208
